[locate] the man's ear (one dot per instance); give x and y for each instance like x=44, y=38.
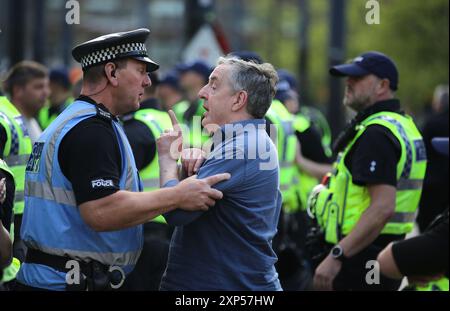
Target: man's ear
x=110, y=73
x=240, y=102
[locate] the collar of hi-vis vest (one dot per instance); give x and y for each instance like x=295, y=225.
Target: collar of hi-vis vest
x=102, y=111
x=391, y=105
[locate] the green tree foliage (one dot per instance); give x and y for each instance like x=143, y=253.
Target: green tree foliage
x=414, y=33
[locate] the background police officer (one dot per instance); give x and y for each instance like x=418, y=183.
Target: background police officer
x=373, y=194
x=6, y=212
x=60, y=97
x=25, y=85
x=142, y=128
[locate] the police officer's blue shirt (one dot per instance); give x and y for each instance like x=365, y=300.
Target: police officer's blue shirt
x=229, y=247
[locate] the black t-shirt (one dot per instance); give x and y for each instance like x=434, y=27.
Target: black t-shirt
x=3, y=138
x=90, y=153
x=311, y=145
x=426, y=254
x=436, y=125
x=142, y=142
x=141, y=138
x=373, y=158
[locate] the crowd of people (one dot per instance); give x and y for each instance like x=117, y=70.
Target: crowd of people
x=215, y=178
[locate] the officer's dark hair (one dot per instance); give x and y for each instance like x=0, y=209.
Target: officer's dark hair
x=94, y=74
x=258, y=80
x=22, y=73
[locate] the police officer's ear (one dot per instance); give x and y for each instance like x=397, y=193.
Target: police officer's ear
x=241, y=98
x=384, y=86
x=110, y=73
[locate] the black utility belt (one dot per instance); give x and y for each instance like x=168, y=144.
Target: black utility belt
x=80, y=275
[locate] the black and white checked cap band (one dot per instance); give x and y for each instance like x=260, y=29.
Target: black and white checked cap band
x=112, y=53
x=128, y=44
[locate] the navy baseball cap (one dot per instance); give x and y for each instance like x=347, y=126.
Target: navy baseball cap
x=440, y=144
x=284, y=75
x=170, y=79
x=60, y=76
x=369, y=63
x=198, y=66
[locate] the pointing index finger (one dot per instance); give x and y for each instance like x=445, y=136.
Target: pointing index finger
x=174, y=120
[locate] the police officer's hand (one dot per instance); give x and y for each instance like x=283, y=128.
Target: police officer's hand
x=197, y=194
x=326, y=272
x=170, y=142
x=191, y=160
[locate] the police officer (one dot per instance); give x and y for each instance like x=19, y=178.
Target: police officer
x=313, y=161
x=193, y=76
x=142, y=128
x=170, y=94
x=60, y=97
x=371, y=198
x=15, y=149
x=7, y=189
x=314, y=116
x=27, y=88
x=83, y=218
x=423, y=258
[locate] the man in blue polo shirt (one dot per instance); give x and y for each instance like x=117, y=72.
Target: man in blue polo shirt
x=229, y=247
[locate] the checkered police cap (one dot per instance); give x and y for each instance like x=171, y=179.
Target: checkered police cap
x=130, y=44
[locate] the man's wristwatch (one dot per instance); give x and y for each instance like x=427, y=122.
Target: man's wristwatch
x=338, y=253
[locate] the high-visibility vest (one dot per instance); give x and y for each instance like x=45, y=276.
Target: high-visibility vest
x=180, y=108
x=44, y=116
x=52, y=222
x=306, y=182
x=286, y=146
x=339, y=206
x=17, y=148
x=192, y=128
x=157, y=121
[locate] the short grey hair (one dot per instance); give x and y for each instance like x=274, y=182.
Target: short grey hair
x=258, y=80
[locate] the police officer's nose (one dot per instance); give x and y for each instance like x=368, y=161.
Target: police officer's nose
x=147, y=81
